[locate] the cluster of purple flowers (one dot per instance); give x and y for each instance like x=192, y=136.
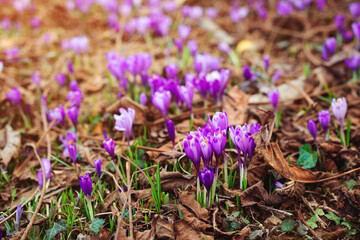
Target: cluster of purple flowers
x=285, y=7
x=78, y=44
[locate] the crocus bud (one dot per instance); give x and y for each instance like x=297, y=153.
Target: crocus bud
x=73, y=115
x=60, y=78
x=109, y=146
x=161, y=100
x=14, y=95
x=330, y=45
x=207, y=178
x=339, y=108
x=97, y=163
x=206, y=150
x=353, y=62
x=219, y=120
x=312, y=128
x=70, y=66
x=40, y=179
x=18, y=216
x=171, y=130
x=247, y=73
x=354, y=9
x=324, y=119
x=36, y=78
x=143, y=99
x=284, y=8
x=211, y=12
x=279, y=185
x=266, y=60
x=47, y=167
x=171, y=70
x=193, y=151
x=224, y=47
x=125, y=121
x=274, y=98
x=72, y=152
x=187, y=95
x=86, y=184
x=184, y=31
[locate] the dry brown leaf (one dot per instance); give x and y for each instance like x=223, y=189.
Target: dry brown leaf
x=188, y=200
x=145, y=235
x=172, y=180
x=126, y=102
x=164, y=227
x=10, y=141
x=257, y=193
x=274, y=157
x=235, y=105
x=184, y=231
x=192, y=220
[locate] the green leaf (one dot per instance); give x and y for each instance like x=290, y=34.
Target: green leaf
x=256, y=233
x=312, y=222
x=307, y=157
x=319, y=212
x=96, y=225
x=350, y=184
x=346, y=224
x=332, y=216
x=58, y=227
x=288, y=225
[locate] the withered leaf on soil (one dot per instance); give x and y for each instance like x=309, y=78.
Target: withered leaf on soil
x=235, y=105
x=184, y=231
x=164, y=227
x=171, y=180
x=274, y=157
x=257, y=193
x=145, y=235
x=10, y=141
x=192, y=220
x=188, y=200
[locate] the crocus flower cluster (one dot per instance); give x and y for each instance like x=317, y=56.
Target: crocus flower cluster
x=78, y=44
x=125, y=121
x=285, y=7
x=274, y=98
x=339, y=22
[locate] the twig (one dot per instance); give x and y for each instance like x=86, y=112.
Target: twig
x=40, y=200
x=305, y=95
x=271, y=209
x=322, y=223
x=307, y=225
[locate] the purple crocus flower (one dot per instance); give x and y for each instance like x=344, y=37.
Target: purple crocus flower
x=185, y=10
x=170, y=6
x=179, y=44
x=109, y=146
x=35, y=22
x=57, y=114
x=219, y=121
x=193, y=47
x=207, y=178
x=97, y=163
x=218, y=142
x=73, y=85
x=356, y=29
x=279, y=185
x=69, y=139
x=353, y=62
x=184, y=31
x=217, y=82
x=75, y=98
x=124, y=122
x=274, y=98
x=40, y=179
x=206, y=150
x=171, y=70
x=324, y=119
x=6, y=25
x=36, y=78
x=330, y=45
x=339, y=108
x=276, y=76
x=266, y=60
x=254, y=128
x=70, y=66
x=73, y=115
x=18, y=216
x=47, y=167
x=193, y=151
x=224, y=47
x=86, y=184
x=72, y=150
x=196, y=12
x=12, y=53
x=187, y=95
x=320, y=4
x=117, y=65
x=354, y=9
x=60, y=78
x=161, y=100
x=312, y=128
x=237, y=14
x=284, y=8
x=211, y=12
x=339, y=22
x=1, y=66
x=143, y=99
x=171, y=130
x=248, y=75
x=14, y=95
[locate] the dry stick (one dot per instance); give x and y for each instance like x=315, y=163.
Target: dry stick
x=307, y=225
x=41, y=198
x=126, y=201
x=305, y=95
x=322, y=223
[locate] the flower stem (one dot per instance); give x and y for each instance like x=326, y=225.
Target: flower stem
x=225, y=169
x=89, y=206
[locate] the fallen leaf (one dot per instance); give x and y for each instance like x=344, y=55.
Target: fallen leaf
x=10, y=141
x=145, y=235
x=164, y=227
x=184, y=231
x=257, y=193
x=235, y=104
x=171, y=180
x=188, y=200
